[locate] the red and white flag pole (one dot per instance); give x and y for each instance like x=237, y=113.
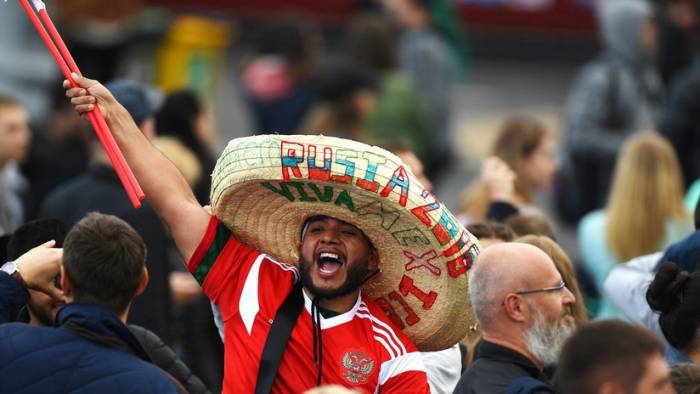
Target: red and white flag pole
x=53, y=41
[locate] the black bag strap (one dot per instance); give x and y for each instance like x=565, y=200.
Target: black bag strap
x=277, y=339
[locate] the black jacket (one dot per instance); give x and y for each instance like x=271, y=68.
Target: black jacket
x=164, y=357
x=13, y=299
x=89, y=351
x=494, y=368
x=99, y=190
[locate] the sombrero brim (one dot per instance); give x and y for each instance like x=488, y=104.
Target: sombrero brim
x=265, y=187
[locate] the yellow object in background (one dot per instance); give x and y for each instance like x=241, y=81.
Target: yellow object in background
x=192, y=55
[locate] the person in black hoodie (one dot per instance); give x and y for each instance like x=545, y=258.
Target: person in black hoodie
x=614, y=96
x=99, y=190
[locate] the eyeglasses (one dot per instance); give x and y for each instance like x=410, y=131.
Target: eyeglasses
x=559, y=287
x=543, y=290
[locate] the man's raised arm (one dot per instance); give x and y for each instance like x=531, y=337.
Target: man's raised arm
x=164, y=186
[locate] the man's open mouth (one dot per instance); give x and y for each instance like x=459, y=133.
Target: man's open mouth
x=329, y=263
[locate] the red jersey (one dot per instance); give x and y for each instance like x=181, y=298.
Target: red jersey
x=361, y=348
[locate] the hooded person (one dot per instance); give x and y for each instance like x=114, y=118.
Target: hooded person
x=330, y=243
x=615, y=95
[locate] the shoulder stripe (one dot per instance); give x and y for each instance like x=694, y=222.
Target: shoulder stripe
x=286, y=267
x=212, y=252
x=408, y=362
x=381, y=337
x=385, y=326
x=386, y=346
x=394, y=349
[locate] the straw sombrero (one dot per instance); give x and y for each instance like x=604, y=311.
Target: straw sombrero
x=265, y=187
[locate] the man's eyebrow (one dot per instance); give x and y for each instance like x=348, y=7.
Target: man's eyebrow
x=316, y=218
x=311, y=221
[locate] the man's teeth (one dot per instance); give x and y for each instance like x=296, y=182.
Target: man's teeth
x=328, y=255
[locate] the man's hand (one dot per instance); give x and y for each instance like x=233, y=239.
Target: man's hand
x=39, y=268
x=183, y=288
x=88, y=94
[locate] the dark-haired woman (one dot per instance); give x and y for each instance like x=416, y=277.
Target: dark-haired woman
x=675, y=295
x=184, y=117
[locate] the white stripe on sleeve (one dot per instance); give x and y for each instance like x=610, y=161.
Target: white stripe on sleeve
x=249, y=305
x=412, y=361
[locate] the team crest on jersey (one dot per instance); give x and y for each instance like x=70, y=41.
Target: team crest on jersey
x=358, y=367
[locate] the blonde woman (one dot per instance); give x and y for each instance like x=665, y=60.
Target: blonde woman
x=522, y=161
x=644, y=212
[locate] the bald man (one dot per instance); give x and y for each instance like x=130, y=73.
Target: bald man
x=524, y=311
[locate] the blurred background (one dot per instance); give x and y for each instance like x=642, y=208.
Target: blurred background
x=514, y=57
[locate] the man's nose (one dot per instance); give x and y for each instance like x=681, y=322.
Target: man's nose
x=569, y=297
x=330, y=235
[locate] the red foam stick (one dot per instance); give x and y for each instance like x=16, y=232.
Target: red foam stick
x=67, y=65
x=65, y=53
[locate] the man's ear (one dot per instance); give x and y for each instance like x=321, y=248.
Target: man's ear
x=65, y=282
x=142, y=283
x=516, y=308
x=373, y=261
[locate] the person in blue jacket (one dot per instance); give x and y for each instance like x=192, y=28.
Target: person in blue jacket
x=90, y=349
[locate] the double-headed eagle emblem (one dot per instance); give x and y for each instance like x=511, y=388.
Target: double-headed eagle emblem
x=358, y=367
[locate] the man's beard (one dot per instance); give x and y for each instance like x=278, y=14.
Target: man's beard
x=545, y=339
x=355, y=278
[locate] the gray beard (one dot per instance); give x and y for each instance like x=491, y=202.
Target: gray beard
x=544, y=340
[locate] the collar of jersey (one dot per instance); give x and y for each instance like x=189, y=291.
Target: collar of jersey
x=335, y=320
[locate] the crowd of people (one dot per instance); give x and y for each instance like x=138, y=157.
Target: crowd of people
x=315, y=256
